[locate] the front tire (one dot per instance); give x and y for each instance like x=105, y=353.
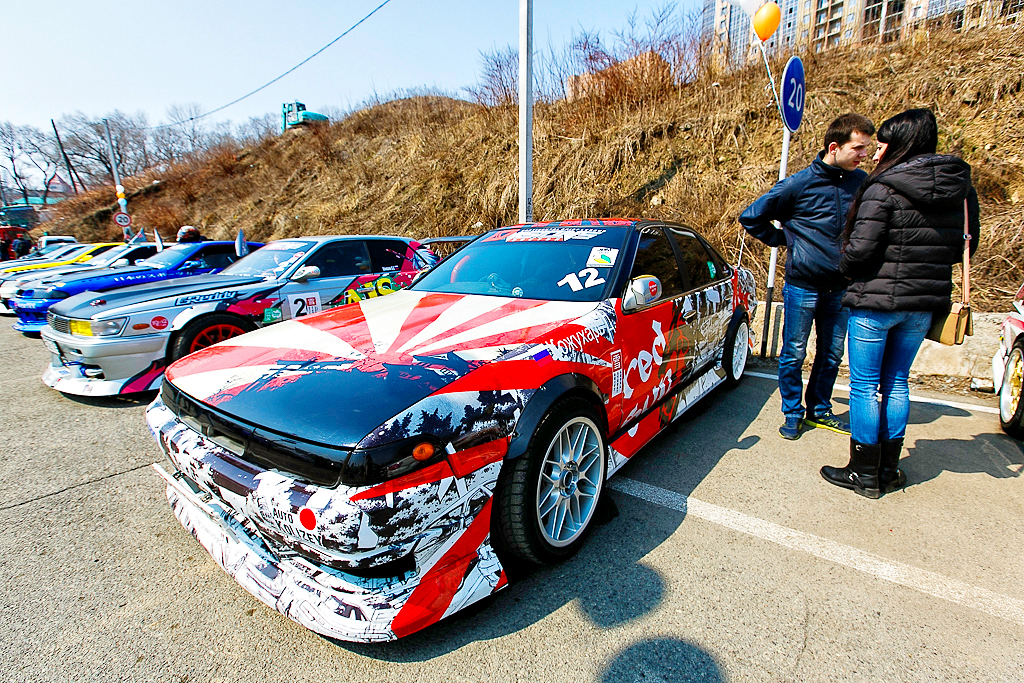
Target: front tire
x=548, y=496
x=207, y=331
x=1011, y=407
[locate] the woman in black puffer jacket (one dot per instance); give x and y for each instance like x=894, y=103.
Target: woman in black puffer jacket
x=903, y=235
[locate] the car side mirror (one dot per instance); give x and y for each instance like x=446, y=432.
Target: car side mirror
x=120, y=263
x=641, y=291
x=191, y=265
x=305, y=272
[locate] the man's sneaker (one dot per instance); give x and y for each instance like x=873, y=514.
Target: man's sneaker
x=829, y=421
x=791, y=429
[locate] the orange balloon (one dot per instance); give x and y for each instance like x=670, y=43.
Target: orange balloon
x=766, y=20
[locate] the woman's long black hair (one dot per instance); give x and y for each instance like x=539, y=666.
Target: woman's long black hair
x=909, y=134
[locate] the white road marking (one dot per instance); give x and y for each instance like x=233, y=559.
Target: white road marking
x=916, y=399
x=921, y=580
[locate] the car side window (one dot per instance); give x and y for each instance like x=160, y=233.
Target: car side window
x=388, y=255
x=342, y=258
x=701, y=268
x=217, y=256
x=140, y=253
x=654, y=256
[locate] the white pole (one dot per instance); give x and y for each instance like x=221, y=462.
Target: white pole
x=110, y=149
x=774, y=260
x=122, y=203
x=525, y=111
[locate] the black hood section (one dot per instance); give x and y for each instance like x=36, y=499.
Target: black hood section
x=336, y=404
x=78, y=306
x=930, y=179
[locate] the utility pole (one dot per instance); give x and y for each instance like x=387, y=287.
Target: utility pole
x=118, y=187
x=67, y=162
x=113, y=161
x=525, y=111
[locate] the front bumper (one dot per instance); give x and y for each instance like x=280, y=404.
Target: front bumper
x=104, y=366
x=31, y=313
x=244, y=517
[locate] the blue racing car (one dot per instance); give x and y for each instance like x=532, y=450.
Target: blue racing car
x=181, y=260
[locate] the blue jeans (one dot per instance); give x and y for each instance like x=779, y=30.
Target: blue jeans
x=883, y=345
x=825, y=310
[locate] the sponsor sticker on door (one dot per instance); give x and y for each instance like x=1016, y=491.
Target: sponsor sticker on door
x=304, y=303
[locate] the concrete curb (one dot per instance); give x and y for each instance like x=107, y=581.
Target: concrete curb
x=971, y=359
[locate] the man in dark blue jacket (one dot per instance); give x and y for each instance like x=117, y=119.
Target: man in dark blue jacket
x=811, y=207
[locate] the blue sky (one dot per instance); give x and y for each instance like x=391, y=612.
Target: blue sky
x=59, y=57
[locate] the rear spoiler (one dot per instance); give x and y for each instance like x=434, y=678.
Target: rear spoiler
x=448, y=240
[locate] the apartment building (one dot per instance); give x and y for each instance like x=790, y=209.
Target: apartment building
x=823, y=24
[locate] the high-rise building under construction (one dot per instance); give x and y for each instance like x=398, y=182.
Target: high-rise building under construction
x=823, y=24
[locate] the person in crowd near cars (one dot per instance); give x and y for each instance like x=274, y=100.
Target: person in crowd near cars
x=811, y=207
x=904, y=232
x=22, y=246
x=188, y=233
x=5, y=249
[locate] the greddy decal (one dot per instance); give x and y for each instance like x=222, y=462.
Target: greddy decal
x=203, y=298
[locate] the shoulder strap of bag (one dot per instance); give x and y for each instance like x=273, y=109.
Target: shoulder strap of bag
x=966, y=289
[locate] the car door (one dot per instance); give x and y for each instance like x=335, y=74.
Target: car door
x=709, y=301
x=340, y=264
x=654, y=338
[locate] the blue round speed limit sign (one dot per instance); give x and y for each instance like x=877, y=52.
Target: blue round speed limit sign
x=793, y=93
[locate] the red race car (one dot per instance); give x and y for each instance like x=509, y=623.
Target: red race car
x=369, y=470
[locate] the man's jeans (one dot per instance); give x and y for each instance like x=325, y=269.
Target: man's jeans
x=883, y=345
x=826, y=312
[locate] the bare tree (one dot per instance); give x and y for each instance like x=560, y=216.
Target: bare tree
x=259, y=128
x=12, y=154
x=499, y=82
x=86, y=143
x=42, y=152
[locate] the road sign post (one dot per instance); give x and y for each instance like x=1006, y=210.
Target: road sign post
x=124, y=221
x=791, y=107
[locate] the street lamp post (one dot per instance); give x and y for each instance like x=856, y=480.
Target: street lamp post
x=525, y=111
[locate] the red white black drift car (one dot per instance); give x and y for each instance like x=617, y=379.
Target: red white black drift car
x=366, y=471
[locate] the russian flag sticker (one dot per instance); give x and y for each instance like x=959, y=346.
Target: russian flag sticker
x=543, y=357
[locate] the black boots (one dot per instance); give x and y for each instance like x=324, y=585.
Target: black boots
x=862, y=474
x=890, y=477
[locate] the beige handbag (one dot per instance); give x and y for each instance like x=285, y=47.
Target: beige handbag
x=951, y=328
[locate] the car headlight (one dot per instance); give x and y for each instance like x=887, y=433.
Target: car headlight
x=366, y=467
x=97, y=328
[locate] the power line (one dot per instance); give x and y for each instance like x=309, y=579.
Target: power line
x=269, y=83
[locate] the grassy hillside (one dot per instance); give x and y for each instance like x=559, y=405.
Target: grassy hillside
x=696, y=153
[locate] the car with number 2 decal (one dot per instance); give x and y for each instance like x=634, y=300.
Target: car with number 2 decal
x=120, y=342
x=372, y=469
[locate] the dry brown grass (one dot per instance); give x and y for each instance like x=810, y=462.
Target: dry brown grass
x=696, y=153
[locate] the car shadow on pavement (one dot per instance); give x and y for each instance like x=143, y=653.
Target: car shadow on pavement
x=663, y=659
x=129, y=401
x=920, y=413
x=607, y=581
x=996, y=455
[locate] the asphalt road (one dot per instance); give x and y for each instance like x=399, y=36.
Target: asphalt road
x=722, y=555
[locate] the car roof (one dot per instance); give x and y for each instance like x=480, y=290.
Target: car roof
x=582, y=223
x=331, y=238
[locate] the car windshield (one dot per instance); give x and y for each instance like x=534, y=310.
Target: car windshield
x=270, y=261
x=57, y=249
x=556, y=263
x=109, y=257
x=170, y=256
x=71, y=251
